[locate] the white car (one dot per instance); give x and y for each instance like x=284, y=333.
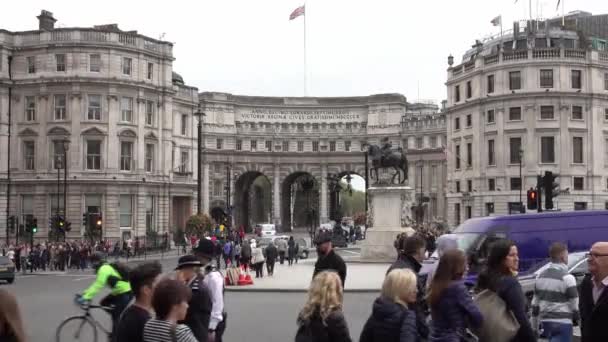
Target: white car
x=265, y=229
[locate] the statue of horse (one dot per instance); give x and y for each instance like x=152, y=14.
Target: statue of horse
x=393, y=158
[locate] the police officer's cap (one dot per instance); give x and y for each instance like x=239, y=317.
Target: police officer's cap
x=188, y=261
x=205, y=248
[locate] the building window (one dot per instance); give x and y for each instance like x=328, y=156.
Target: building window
x=126, y=155
x=332, y=146
x=126, y=65
x=456, y=124
x=515, y=114
x=315, y=146
x=268, y=145
x=419, y=143
x=606, y=114
x=332, y=126
x=469, y=120
x=457, y=157
x=577, y=113
x=515, y=183
x=491, y=154
x=150, y=70
x=491, y=184
x=469, y=185
x=126, y=109
x=577, y=150
x=149, y=157
x=315, y=126
x=150, y=113
x=576, y=79
x=514, y=207
x=27, y=208
x=30, y=108
x=469, y=211
x=254, y=145
x=347, y=146
x=93, y=155
x=469, y=90
x=300, y=127
x=184, y=125
x=434, y=175
x=546, y=112
x=217, y=188
x=457, y=213
x=60, y=62
x=546, y=78
x=469, y=154
x=94, y=110
x=490, y=118
x=489, y=208
x=239, y=145
x=60, y=107
x=126, y=210
x=457, y=183
x=578, y=183
x=300, y=146
x=219, y=144
x=31, y=65
x=490, y=84
x=95, y=63
x=183, y=162
x=285, y=146
x=150, y=226
x=606, y=81
x=58, y=154
x=457, y=93
x=514, y=150
x=514, y=80
x=29, y=155
x=547, y=146
x=56, y=203
x=580, y=205
x=433, y=142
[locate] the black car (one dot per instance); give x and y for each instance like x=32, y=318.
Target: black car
x=7, y=269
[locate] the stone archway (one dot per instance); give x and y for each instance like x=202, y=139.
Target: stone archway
x=252, y=200
x=339, y=194
x=299, y=201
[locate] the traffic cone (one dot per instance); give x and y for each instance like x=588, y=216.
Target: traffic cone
x=248, y=280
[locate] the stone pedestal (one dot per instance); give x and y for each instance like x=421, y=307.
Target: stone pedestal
x=389, y=211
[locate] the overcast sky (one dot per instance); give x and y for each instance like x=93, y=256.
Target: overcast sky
x=354, y=47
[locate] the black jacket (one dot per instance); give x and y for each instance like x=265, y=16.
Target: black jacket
x=334, y=329
x=389, y=322
x=420, y=308
x=333, y=262
x=271, y=253
x=199, y=309
x=593, y=316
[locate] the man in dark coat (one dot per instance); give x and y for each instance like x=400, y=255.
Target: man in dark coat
x=593, y=303
x=199, y=306
x=271, y=257
x=411, y=252
x=327, y=257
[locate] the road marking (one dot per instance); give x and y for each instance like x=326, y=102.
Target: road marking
x=83, y=278
x=351, y=252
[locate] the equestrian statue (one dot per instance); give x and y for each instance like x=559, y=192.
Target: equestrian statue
x=384, y=157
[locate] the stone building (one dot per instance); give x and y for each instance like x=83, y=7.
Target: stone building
x=114, y=96
x=541, y=89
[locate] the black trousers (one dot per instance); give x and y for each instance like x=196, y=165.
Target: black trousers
x=270, y=266
x=281, y=257
x=259, y=269
x=119, y=304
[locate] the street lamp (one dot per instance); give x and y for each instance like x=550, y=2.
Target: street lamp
x=307, y=184
x=199, y=199
x=521, y=182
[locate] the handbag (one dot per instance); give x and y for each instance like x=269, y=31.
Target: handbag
x=499, y=323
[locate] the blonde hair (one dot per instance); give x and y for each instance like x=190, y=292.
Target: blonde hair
x=398, y=284
x=324, y=296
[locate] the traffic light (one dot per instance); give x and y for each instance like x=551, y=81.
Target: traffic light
x=11, y=223
x=34, y=226
x=68, y=226
x=85, y=219
x=28, y=224
x=551, y=188
x=532, y=199
x=98, y=221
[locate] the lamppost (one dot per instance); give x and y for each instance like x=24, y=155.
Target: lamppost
x=199, y=199
x=521, y=182
x=66, y=146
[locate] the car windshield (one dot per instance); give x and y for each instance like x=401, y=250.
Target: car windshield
x=4, y=260
x=573, y=259
x=465, y=242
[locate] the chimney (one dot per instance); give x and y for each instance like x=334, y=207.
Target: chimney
x=46, y=21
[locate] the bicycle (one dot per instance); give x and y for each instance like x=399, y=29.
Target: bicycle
x=86, y=326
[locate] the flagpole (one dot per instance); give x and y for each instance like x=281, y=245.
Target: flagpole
x=305, y=64
x=563, y=14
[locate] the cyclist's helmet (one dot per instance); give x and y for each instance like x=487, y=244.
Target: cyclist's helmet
x=97, y=259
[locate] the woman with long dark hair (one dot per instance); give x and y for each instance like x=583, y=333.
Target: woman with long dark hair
x=452, y=307
x=500, y=276
x=11, y=325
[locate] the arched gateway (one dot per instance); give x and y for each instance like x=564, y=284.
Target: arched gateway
x=270, y=157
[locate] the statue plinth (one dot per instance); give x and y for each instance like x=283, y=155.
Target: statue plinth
x=389, y=214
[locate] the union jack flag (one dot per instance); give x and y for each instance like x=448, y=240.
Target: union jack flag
x=297, y=12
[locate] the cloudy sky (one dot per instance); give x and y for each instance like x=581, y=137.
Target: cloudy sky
x=355, y=47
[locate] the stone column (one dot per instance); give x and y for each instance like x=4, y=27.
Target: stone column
x=276, y=195
x=205, y=188
x=323, y=209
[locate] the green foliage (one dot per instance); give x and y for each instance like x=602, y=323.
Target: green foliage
x=360, y=218
x=351, y=204
x=199, y=224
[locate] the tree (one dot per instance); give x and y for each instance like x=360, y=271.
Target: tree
x=199, y=224
x=360, y=218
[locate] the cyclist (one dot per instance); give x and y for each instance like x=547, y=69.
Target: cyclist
x=115, y=277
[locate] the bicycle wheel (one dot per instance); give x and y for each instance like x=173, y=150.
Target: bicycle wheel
x=77, y=328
